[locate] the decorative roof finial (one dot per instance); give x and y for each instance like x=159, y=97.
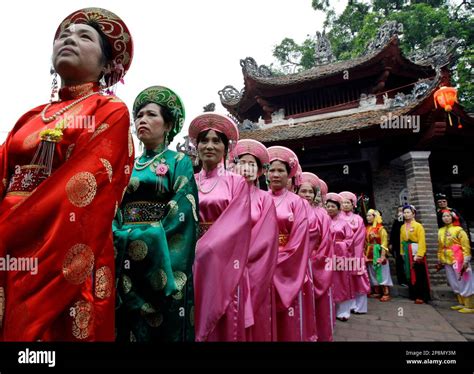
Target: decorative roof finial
x=187, y=148
x=384, y=34
x=209, y=107
x=323, y=50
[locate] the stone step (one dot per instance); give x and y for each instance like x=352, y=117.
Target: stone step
x=442, y=292
x=438, y=291
x=399, y=291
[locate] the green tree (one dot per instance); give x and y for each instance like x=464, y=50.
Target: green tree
x=422, y=21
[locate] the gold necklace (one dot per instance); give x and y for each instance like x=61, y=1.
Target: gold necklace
x=63, y=110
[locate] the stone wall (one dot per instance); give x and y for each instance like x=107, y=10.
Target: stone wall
x=388, y=183
x=419, y=184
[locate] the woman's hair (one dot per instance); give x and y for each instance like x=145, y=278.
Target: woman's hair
x=337, y=203
x=287, y=167
x=165, y=112
x=453, y=215
x=315, y=190
x=259, y=163
x=262, y=182
x=221, y=136
x=107, y=55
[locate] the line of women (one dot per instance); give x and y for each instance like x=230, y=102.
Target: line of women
x=206, y=256
x=143, y=249
x=261, y=269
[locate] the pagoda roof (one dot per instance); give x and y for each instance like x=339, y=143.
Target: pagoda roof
x=390, y=50
x=383, y=52
x=349, y=120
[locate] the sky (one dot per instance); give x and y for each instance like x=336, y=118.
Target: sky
x=191, y=46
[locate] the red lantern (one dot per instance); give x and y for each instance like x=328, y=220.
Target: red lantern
x=446, y=97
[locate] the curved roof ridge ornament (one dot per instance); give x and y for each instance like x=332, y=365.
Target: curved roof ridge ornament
x=250, y=67
x=229, y=95
x=438, y=53
x=383, y=36
x=187, y=147
x=248, y=125
x=419, y=91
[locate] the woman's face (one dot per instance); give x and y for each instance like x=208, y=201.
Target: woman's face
x=332, y=208
x=306, y=191
x=347, y=205
x=211, y=149
x=277, y=175
x=370, y=218
x=408, y=214
x=447, y=218
x=247, y=167
x=150, y=125
x=318, y=198
x=442, y=203
x=77, y=54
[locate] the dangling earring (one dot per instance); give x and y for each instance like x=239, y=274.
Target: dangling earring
x=226, y=159
x=231, y=146
x=140, y=146
x=103, y=84
x=54, y=84
x=167, y=142
x=196, y=160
